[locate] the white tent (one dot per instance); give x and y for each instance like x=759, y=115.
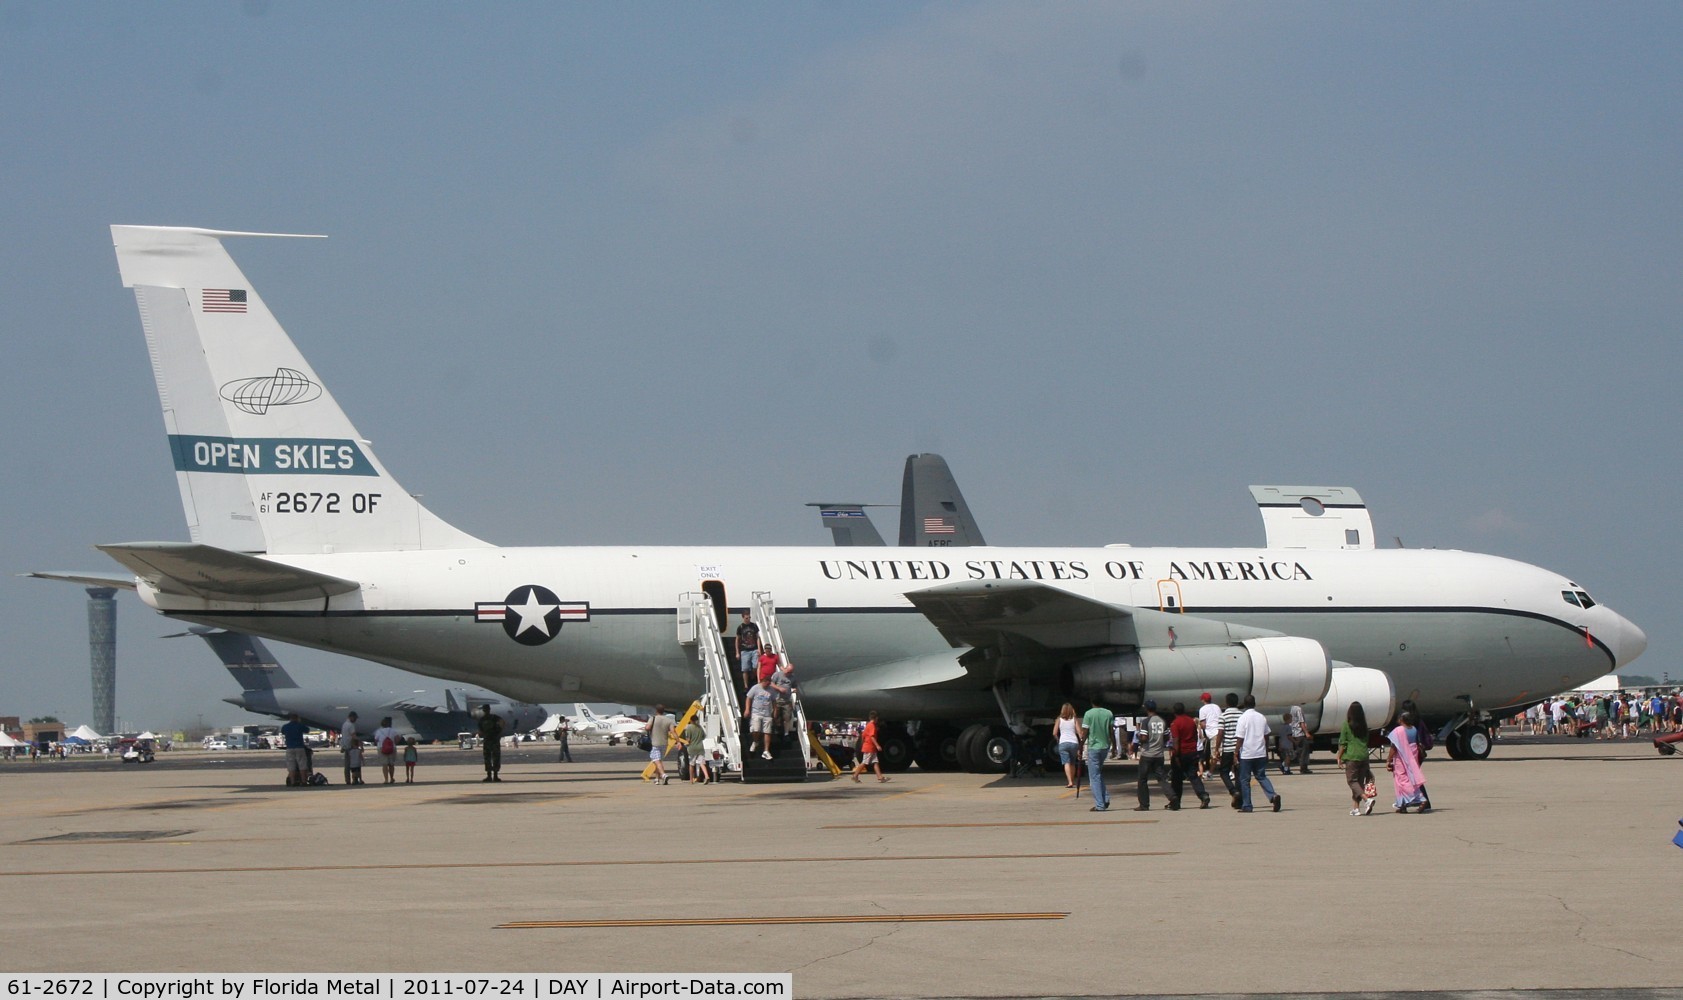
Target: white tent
x=7, y=741
x=87, y=733
x=147, y=735
x=1606, y=684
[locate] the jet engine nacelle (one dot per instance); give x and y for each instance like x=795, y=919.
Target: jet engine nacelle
x=1373, y=688
x=1277, y=669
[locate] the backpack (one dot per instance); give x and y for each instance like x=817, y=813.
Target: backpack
x=387, y=746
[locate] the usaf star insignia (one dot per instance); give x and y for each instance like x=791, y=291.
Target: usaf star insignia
x=531, y=615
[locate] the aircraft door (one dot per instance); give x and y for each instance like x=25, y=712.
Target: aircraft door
x=1169, y=597
x=715, y=591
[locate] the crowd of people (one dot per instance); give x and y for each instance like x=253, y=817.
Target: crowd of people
x=1237, y=745
x=1612, y=715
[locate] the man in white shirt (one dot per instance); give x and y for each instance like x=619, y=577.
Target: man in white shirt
x=1252, y=738
x=1209, y=727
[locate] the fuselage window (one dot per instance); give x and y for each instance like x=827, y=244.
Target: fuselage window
x=1584, y=599
x=1570, y=598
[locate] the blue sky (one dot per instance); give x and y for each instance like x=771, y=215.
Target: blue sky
x=661, y=273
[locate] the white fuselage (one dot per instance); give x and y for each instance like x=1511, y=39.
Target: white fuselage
x=1451, y=629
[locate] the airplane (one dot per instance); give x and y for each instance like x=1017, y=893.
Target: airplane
x=612, y=728
x=849, y=524
x=298, y=533
x=267, y=689
x=933, y=513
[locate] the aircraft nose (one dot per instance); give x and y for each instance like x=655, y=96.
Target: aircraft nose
x=1633, y=642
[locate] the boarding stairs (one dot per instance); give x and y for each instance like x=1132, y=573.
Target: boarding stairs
x=721, y=706
x=771, y=634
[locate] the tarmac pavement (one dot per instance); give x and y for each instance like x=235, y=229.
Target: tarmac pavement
x=1548, y=867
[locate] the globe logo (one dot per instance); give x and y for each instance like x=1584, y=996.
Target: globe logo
x=286, y=387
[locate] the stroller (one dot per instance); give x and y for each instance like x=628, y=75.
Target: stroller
x=311, y=775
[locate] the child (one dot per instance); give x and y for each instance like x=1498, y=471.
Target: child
x=868, y=748
x=410, y=756
x=353, y=762
x=1285, y=743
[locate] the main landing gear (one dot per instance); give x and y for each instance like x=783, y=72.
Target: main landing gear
x=1469, y=740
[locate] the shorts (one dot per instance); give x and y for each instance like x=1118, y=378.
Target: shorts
x=1069, y=753
x=759, y=724
x=388, y=759
x=298, y=759
x=657, y=753
x=868, y=758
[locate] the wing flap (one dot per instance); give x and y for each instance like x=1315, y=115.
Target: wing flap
x=213, y=574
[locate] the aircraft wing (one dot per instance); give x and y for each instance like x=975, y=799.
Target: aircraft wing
x=221, y=575
x=408, y=705
x=1007, y=613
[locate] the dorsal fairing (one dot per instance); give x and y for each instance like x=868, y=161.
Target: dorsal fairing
x=1314, y=517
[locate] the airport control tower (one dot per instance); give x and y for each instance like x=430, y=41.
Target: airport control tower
x=102, y=654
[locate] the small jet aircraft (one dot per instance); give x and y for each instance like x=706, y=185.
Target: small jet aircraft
x=612, y=728
x=267, y=689
x=298, y=533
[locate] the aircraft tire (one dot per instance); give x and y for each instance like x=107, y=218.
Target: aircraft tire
x=984, y=759
x=967, y=751
x=997, y=751
x=937, y=749
x=1476, y=744
x=1452, y=745
x=894, y=747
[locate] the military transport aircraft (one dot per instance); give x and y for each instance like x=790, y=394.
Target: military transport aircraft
x=267, y=689
x=933, y=513
x=300, y=534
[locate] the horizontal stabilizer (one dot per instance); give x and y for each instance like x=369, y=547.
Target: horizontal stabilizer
x=214, y=574
x=87, y=579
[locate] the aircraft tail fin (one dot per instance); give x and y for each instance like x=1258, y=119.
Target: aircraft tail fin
x=848, y=523
x=932, y=510
x=585, y=713
x=253, y=666
x=265, y=459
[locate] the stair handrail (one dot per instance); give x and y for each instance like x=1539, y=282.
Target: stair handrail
x=765, y=610
x=721, y=712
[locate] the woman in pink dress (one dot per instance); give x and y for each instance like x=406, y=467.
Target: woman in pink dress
x=1406, y=776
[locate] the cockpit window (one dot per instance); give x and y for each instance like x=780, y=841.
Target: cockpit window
x=1584, y=599
x=1570, y=598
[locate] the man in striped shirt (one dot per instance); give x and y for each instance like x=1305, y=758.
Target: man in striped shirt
x=1229, y=765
